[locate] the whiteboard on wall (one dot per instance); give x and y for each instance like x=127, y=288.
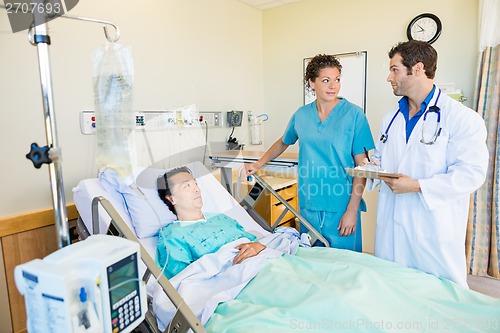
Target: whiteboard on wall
x=353, y=78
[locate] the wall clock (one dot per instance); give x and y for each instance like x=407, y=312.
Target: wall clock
x=424, y=27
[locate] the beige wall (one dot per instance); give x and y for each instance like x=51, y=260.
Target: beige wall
x=207, y=53
x=309, y=27
x=217, y=54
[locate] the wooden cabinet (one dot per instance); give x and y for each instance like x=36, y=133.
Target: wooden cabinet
x=23, y=237
x=270, y=208
x=20, y=248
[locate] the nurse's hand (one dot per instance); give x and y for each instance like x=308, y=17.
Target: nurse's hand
x=403, y=184
x=347, y=224
x=247, y=250
x=251, y=168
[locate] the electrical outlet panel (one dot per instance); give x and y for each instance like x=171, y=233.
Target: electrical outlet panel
x=218, y=119
x=148, y=120
x=213, y=119
x=87, y=122
x=166, y=120
x=156, y=120
x=139, y=120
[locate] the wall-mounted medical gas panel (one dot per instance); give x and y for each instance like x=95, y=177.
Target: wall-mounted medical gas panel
x=158, y=120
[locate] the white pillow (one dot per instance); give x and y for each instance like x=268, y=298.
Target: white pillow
x=83, y=195
x=147, y=211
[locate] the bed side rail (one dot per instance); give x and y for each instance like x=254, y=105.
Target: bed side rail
x=184, y=319
x=257, y=190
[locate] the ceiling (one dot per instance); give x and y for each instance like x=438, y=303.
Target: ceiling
x=264, y=4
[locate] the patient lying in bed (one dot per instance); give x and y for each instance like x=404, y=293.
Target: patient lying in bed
x=208, y=258
x=194, y=234
x=323, y=285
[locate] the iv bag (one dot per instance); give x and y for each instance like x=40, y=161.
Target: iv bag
x=115, y=121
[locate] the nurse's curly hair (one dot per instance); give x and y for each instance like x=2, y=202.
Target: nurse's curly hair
x=415, y=51
x=164, y=187
x=317, y=63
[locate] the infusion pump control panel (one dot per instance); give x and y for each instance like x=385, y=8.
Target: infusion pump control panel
x=89, y=286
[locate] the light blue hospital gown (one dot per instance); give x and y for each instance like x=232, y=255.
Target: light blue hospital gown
x=186, y=242
x=326, y=148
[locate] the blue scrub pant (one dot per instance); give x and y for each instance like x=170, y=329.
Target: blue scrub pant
x=327, y=223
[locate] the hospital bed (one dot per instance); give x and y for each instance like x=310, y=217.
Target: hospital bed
x=317, y=289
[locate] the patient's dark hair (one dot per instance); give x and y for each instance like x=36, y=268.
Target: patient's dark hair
x=163, y=185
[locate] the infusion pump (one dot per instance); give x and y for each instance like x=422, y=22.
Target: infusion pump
x=89, y=286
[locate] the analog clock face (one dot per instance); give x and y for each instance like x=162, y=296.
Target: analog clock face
x=425, y=27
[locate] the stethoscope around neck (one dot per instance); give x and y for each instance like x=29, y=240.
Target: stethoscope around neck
x=431, y=109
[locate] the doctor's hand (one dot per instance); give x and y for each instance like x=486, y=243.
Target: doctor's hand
x=347, y=224
x=403, y=184
x=365, y=161
x=247, y=250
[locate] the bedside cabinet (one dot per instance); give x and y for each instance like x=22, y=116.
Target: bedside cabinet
x=270, y=208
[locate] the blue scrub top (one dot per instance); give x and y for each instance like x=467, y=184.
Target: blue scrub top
x=326, y=149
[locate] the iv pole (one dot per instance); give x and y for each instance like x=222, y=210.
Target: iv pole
x=51, y=154
x=42, y=41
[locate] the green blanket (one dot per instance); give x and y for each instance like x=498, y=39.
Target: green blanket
x=331, y=290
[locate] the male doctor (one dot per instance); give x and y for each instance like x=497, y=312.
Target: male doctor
x=437, y=146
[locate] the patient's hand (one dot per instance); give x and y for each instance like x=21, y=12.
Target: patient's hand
x=247, y=250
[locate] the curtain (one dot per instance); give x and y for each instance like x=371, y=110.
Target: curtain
x=489, y=25
x=483, y=232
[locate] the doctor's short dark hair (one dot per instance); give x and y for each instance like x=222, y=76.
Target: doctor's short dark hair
x=415, y=51
x=164, y=186
x=319, y=62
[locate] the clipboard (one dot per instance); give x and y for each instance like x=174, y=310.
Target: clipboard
x=370, y=174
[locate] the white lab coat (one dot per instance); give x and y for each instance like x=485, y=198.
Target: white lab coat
x=426, y=230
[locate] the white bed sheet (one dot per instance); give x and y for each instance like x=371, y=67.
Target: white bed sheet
x=215, y=199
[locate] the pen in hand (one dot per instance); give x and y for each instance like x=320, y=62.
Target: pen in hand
x=366, y=154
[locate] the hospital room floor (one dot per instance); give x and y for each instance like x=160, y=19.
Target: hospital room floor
x=485, y=285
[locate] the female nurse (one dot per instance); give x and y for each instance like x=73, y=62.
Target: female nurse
x=333, y=134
